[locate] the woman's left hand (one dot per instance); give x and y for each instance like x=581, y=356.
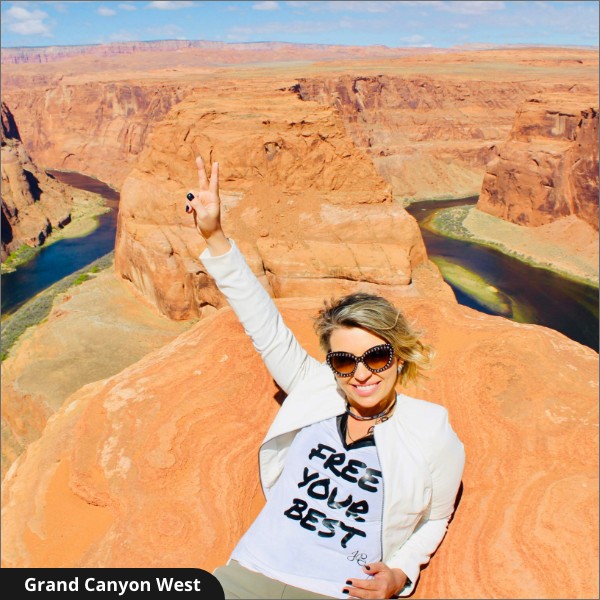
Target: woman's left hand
x=384, y=583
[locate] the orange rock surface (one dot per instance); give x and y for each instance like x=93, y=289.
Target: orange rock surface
x=157, y=465
x=548, y=168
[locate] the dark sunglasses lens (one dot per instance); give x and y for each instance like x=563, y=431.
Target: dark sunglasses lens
x=379, y=358
x=342, y=364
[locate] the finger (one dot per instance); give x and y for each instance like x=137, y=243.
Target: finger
x=362, y=584
x=201, y=173
x=214, y=178
x=376, y=567
x=355, y=592
x=190, y=201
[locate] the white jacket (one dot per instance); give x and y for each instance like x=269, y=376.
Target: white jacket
x=421, y=457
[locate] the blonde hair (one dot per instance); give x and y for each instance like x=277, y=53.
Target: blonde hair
x=381, y=317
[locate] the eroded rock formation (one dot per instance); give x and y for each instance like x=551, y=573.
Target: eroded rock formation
x=106, y=128
x=156, y=466
x=33, y=203
x=548, y=167
x=307, y=208
x=426, y=136
x=428, y=119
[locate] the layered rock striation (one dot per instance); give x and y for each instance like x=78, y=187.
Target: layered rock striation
x=548, y=167
x=427, y=137
x=218, y=52
x=93, y=127
x=157, y=465
x=33, y=203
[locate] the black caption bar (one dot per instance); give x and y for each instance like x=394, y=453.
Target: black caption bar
x=111, y=583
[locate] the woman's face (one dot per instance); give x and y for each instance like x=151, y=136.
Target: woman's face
x=367, y=392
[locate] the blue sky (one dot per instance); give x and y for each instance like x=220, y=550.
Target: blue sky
x=440, y=24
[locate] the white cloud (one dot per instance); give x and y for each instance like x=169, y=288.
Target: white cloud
x=357, y=6
x=127, y=7
x=27, y=22
x=169, y=4
x=266, y=5
x=104, y=11
x=243, y=33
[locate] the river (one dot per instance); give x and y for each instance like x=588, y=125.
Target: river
x=62, y=258
x=540, y=296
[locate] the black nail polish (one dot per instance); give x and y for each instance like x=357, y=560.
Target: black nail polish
x=345, y=591
x=190, y=196
x=188, y=208
x=348, y=582
x=368, y=568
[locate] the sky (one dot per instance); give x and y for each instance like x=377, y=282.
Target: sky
x=441, y=24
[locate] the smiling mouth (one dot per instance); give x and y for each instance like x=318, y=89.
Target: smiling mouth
x=365, y=388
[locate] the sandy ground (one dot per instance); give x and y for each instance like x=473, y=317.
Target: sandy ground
x=94, y=330
x=87, y=207
x=568, y=246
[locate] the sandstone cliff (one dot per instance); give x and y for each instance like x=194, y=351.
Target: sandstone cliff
x=428, y=119
x=427, y=137
x=33, y=203
x=156, y=466
x=548, y=167
x=307, y=208
x=97, y=128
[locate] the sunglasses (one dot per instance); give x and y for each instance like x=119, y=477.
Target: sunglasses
x=376, y=359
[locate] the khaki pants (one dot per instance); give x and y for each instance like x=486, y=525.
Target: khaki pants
x=239, y=582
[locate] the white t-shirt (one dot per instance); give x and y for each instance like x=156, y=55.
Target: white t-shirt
x=322, y=522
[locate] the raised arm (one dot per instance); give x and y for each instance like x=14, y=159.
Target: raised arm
x=286, y=360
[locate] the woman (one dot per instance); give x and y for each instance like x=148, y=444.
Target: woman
x=360, y=481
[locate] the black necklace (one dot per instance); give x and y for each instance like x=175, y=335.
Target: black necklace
x=380, y=415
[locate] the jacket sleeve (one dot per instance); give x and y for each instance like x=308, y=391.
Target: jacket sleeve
x=281, y=352
x=446, y=459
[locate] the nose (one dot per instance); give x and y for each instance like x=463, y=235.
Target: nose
x=362, y=373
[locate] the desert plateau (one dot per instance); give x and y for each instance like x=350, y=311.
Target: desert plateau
x=114, y=407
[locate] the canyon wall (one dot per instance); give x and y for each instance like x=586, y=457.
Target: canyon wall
x=94, y=127
x=429, y=120
x=548, y=167
x=33, y=203
x=427, y=137
x=156, y=466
